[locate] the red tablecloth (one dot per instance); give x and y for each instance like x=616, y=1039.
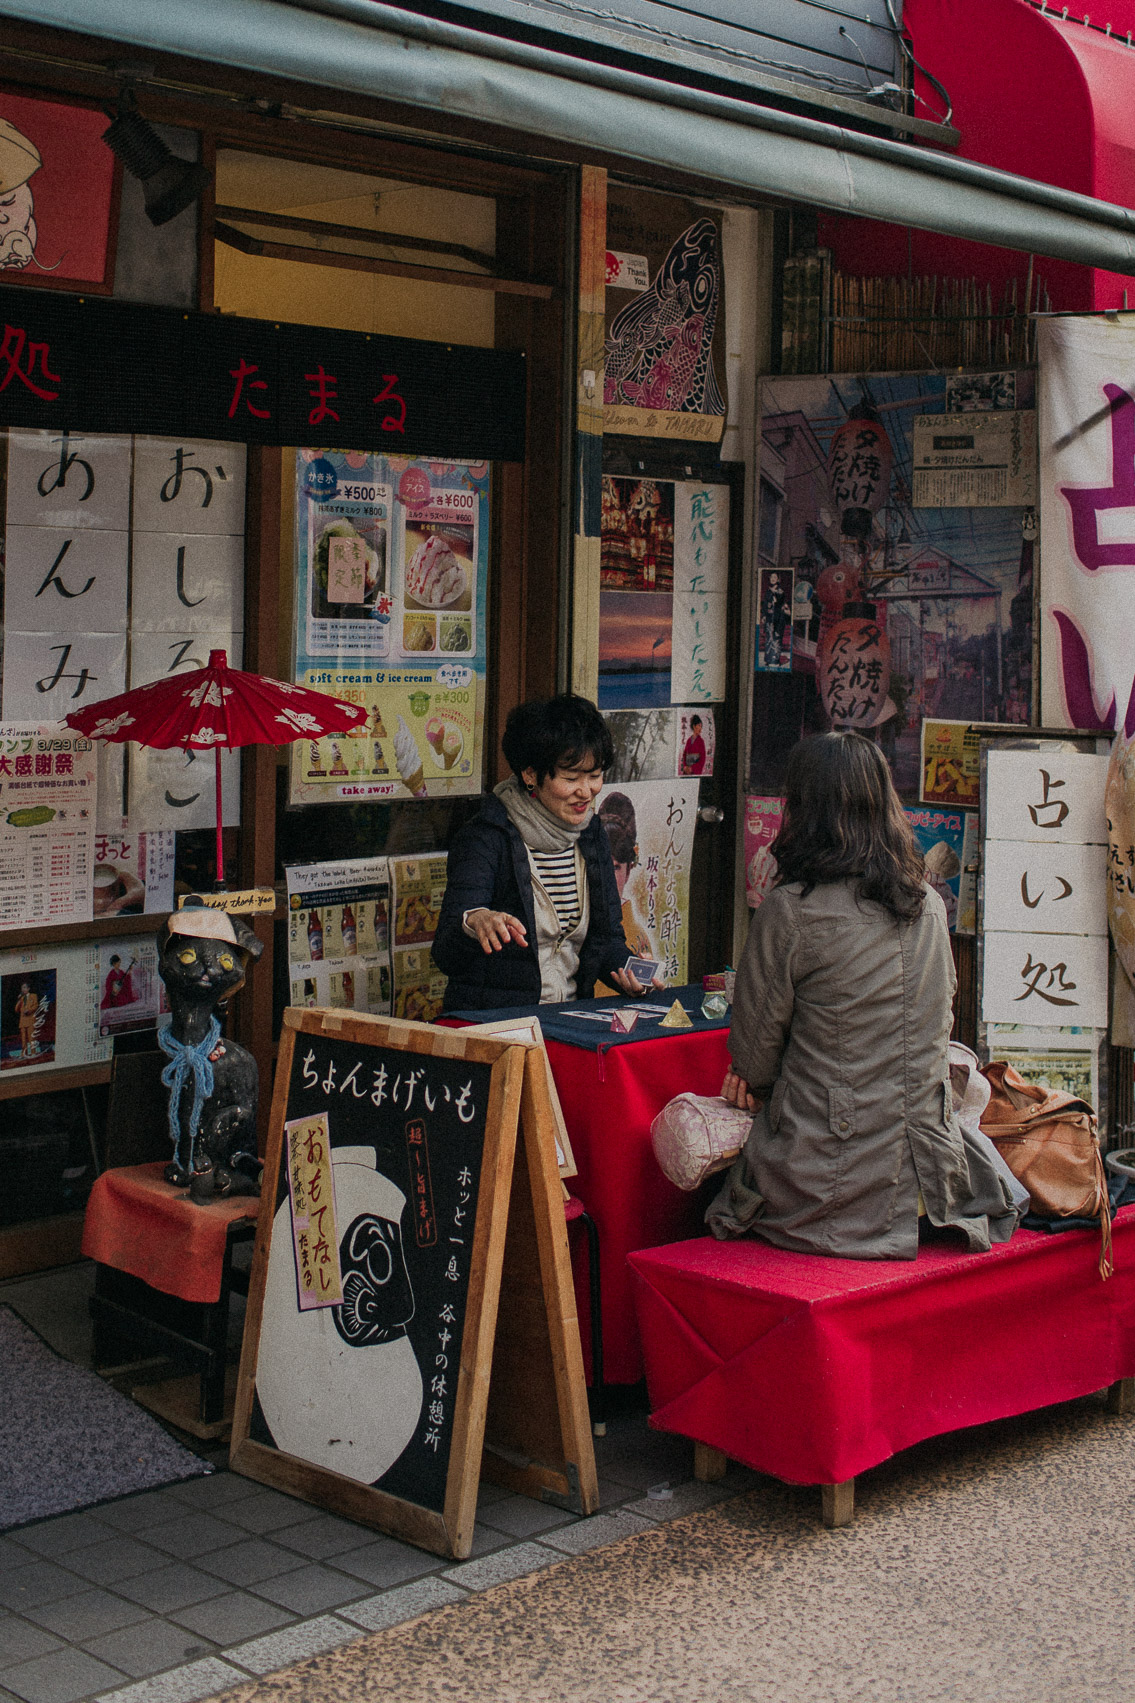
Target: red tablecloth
x=610, y=1100
x=138, y=1223
x=814, y=1369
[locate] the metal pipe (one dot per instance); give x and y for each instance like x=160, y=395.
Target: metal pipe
x=362, y=47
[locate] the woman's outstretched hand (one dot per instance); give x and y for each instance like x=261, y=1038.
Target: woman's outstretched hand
x=495, y=929
x=736, y=1091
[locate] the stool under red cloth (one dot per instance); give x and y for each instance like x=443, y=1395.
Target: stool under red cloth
x=814, y=1369
x=164, y=1274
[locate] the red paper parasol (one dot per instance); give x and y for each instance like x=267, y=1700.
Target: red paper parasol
x=216, y=708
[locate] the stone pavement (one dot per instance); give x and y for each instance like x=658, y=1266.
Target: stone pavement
x=175, y=1594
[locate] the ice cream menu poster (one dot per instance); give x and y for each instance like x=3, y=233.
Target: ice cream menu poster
x=391, y=565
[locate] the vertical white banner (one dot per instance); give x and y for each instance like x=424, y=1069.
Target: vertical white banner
x=1086, y=397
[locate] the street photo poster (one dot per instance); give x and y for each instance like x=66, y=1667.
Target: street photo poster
x=664, y=359
x=763, y=817
x=1086, y=382
x=664, y=563
x=900, y=613
x=650, y=828
x=391, y=565
x=60, y=185
x=339, y=934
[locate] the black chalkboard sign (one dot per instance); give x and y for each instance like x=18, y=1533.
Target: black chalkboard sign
x=372, y=1333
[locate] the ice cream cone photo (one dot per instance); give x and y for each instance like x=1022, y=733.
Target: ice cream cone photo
x=408, y=759
x=452, y=746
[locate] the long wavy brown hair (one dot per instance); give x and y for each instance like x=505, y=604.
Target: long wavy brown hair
x=842, y=819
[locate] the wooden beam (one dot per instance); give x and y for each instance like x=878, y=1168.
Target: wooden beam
x=588, y=449
x=354, y=233
x=229, y=235
x=838, y=1503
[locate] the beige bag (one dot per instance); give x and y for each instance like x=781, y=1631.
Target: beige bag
x=696, y=1135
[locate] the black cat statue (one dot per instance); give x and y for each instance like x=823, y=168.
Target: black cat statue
x=213, y=1082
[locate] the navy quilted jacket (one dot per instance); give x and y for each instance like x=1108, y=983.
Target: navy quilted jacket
x=488, y=865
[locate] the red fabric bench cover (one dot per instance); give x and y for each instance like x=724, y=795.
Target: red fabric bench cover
x=138, y=1223
x=814, y=1369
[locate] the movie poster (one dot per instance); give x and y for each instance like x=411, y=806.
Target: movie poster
x=899, y=613
x=650, y=827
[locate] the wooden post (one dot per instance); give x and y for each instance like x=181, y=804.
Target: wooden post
x=589, y=430
x=838, y=1503
x=1121, y=1397
x=710, y=1465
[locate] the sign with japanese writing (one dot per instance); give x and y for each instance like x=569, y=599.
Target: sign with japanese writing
x=76, y=363
x=1051, y=796
x=1045, y=941
x=319, y=1277
x=664, y=570
x=1086, y=388
x=940, y=835
x=47, y=824
x=389, y=1171
x=762, y=824
x=650, y=827
x=976, y=461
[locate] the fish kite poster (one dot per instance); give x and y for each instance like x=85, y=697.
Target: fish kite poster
x=664, y=362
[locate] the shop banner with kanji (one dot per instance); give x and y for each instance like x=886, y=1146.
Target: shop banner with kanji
x=1086, y=389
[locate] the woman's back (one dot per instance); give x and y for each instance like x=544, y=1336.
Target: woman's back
x=841, y=1021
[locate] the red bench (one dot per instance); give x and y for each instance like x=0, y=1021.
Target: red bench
x=814, y=1369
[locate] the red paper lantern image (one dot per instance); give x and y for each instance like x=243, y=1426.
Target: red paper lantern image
x=853, y=668
x=859, y=470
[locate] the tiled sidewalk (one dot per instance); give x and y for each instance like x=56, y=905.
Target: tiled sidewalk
x=176, y=1594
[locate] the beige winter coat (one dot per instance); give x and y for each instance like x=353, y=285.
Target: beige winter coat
x=841, y=1019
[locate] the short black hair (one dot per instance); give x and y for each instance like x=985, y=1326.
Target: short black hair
x=695, y=721
x=548, y=733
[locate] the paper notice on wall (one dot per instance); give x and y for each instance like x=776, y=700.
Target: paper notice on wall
x=976, y=461
x=701, y=566
x=1046, y=980
x=48, y=784
x=941, y=838
x=417, y=889
x=339, y=934
x=49, y=1009
x=133, y=873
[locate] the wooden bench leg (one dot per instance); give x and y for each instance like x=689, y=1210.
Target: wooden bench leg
x=838, y=1503
x=1121, y=1396
x=709, y=1464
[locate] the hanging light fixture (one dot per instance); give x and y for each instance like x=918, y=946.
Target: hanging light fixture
x=169, y=184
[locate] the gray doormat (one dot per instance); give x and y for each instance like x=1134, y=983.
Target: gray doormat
x=69, y=1439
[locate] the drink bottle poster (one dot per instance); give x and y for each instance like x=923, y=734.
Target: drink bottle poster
x=391, y=569
x=339, y=934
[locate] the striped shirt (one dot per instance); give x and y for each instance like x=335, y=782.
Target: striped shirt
x=559, y=877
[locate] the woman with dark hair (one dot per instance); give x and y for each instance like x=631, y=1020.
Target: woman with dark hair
x=841, y=1022
x=531, y=914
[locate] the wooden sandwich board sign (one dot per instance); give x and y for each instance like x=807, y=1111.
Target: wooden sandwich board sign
x=380, y=1376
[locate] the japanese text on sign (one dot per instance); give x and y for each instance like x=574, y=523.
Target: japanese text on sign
x=312, y=1190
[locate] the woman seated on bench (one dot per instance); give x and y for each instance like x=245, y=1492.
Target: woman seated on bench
x=841, y=1021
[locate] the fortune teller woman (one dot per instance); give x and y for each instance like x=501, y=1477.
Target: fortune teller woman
x=841, y=1022
x=531, y=914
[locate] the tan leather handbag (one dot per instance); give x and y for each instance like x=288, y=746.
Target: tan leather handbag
x=1050, y=1142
